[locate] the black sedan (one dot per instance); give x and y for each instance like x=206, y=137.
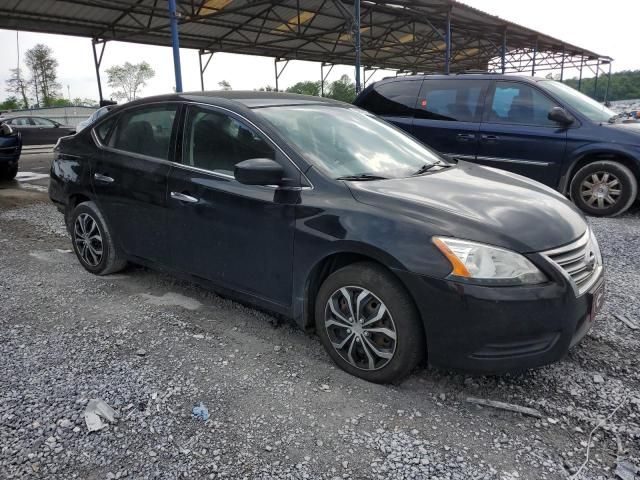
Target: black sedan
x=319, y=211
x=39, y=130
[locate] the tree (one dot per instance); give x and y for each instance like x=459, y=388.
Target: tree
x=307, y=87
x=343, y=89
x=11, y=103
x=129, y=79
x=625, y=85
x=224, y=85
x=44, y=77
x=18, y=85
x=268, y=88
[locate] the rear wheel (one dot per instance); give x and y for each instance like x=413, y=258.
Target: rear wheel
x=368, y=323
x=604, y=189
x=92, y=240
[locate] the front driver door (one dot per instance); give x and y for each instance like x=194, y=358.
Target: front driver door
x=129, y=177
x=238, y=236
x=516, y=134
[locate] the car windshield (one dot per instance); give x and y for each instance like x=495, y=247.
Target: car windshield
x=349, y=142
x=587, y=106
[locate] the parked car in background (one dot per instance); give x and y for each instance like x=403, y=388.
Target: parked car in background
x=322, y=212
x=535, y=127
x=94, y=116
x=39, y=130
x=10, y=148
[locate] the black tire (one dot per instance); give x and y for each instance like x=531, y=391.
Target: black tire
x=388, y=292
x=86, y=246
x=626, y=188
x=9, y=173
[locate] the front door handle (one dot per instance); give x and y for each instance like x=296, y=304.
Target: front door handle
x=103, y=178
x=182, y=197
x=466, y=137
x=490, y=138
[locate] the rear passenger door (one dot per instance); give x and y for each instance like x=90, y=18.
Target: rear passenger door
x=395, y=101
x=129, y=177
x=516, y=134
x=448, y=115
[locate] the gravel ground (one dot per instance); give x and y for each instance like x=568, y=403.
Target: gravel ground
x=152, y=347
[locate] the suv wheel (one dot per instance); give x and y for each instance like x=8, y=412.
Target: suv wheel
x=92, y=240
x=604, y=189
x=9, y=173
x=368, y=323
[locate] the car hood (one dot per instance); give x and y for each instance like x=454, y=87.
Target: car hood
x=628, y=133
x=482, y=204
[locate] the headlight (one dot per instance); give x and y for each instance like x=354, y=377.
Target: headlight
x=484, y=264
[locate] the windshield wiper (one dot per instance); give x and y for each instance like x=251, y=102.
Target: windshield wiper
x=362, y=176
x=428, y=166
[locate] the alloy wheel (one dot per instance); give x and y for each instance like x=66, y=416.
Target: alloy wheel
x=601, y=190
x=360, y=328
x=88, y=239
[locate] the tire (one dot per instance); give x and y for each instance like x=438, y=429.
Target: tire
x=92, y=240
x=9, y=173
x=609, y=177
x=384, y=290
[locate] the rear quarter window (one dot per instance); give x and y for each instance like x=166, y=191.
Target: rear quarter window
x=451, y=100
x=396, y=99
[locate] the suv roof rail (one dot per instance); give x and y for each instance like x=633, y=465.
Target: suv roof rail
x=472, y=71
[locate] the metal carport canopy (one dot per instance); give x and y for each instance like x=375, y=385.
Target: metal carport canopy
x=408, y=36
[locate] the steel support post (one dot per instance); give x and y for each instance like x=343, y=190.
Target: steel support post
x=203, y=68
x=447, y=35
x=97, y=60
x=323, y=77
x=356, y=33
x=606, y=93
x=503, y=58
x=175, y=43
x=535, y=52
x=278, y=73
x=580, y=77
x=595, y=87
x=562, y=65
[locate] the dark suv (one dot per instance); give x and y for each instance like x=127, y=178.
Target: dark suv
x=536, y=127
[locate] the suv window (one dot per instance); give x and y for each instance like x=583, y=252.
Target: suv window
x=215, y=141
x=458, y=101
x=396, y=99
x=521, y=104
x=146, y=131
x=43, y=122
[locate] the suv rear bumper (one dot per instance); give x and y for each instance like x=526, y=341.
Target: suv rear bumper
x=499, y=329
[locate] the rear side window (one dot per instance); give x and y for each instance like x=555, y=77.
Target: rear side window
x=43, y=122
x=397, y=99
x=102, y=130
x=518, y=103
x=21, y=122
x=451, y=100
x=145, y=131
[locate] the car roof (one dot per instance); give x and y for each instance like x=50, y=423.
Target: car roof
x=465, y=76
x=250, y=99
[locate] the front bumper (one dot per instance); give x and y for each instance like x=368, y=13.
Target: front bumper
x=500, y=329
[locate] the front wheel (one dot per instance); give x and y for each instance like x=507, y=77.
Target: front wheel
x=604, y=189
x=92, y=240
x=9, y=173
x=368, y=323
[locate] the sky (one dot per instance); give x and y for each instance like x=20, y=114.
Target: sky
x=610, y=29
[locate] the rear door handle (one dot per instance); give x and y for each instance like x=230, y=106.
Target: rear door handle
x=103, y=178
x=466, y=137
x=490, y=138
x=182, y=197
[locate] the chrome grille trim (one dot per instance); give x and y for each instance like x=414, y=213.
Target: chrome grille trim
x=579, y=262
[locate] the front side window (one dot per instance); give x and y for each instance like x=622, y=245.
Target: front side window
x=451, y=100
x=587, y=106
x=216, y=142
x=43, y=122
x=145, y=131
x=348, y=141
x=519, y=103
x=396, y=99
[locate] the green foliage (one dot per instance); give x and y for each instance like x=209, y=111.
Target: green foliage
x=60, y=102
x=44, y=77
x=11, y=103
x=343, y=89
x=128, y=79
x=224, y=85
x=19, y=86
x=306, y=88
x=268, y=88
x=624, y=85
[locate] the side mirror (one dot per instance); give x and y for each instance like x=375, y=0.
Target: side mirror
x=560, y=115
x=259, y=171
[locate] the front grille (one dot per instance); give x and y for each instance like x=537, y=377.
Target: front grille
x=579, y=261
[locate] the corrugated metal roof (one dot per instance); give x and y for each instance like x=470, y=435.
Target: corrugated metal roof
x=404, y=35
